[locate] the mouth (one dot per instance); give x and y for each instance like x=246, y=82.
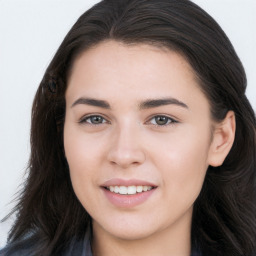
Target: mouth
x=129, y=190
x=128, y=193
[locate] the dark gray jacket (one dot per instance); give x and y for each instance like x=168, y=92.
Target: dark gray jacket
x=76, y=248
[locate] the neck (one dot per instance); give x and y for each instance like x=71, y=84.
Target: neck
x=171, y=241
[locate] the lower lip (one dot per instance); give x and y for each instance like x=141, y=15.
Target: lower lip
x=127, y=201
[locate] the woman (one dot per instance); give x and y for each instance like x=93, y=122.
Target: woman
x=142, y=140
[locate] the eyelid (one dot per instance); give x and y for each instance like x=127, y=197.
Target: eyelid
x=84, y=118
x=173, y=120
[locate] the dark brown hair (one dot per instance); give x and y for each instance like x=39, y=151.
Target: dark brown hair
x=49, y=215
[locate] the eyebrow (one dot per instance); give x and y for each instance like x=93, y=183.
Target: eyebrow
x=92, y=102
x=147, y=104
x=161, y=102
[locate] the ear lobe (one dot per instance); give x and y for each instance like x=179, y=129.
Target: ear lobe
x=222, y=141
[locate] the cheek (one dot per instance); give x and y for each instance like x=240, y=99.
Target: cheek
x=83, y=157
x=82, y=150
x=80, y=154
x=183, y=163
x=83, y=164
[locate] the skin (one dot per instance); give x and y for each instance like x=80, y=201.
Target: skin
x=127, y=143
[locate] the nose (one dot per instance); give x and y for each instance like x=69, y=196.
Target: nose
x=126, y=148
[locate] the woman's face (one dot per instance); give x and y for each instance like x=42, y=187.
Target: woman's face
x=137, y=138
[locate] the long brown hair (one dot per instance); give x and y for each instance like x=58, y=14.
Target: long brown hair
x=49, y=214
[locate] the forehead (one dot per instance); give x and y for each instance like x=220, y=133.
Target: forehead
x=109, y=53
x=111, y=69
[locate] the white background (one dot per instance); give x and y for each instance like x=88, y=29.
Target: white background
x=31, y=31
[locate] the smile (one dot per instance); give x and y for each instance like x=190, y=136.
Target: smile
x=129, y=190
x=128, y=193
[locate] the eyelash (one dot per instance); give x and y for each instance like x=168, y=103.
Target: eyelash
x=170, y=121
x=84, y=120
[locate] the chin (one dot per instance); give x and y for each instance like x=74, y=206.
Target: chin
x=131, y=234
x=127, y=229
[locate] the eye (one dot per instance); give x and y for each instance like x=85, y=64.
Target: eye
x=162, y=120
x=94, y=120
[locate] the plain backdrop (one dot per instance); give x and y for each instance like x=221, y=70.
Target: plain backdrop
x=30, y=33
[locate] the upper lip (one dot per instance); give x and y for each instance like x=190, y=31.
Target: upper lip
x=130, y=182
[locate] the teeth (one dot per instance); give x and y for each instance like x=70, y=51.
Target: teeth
x=116, y=189
x=123, y=190
x=139, y=189
x=129, y=190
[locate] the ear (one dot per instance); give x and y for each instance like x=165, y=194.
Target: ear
x=222, y=141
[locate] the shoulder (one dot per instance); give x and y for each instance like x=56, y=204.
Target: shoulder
x=31, y=247
x=20, y=248
x=11, y=250
x=195, y=253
